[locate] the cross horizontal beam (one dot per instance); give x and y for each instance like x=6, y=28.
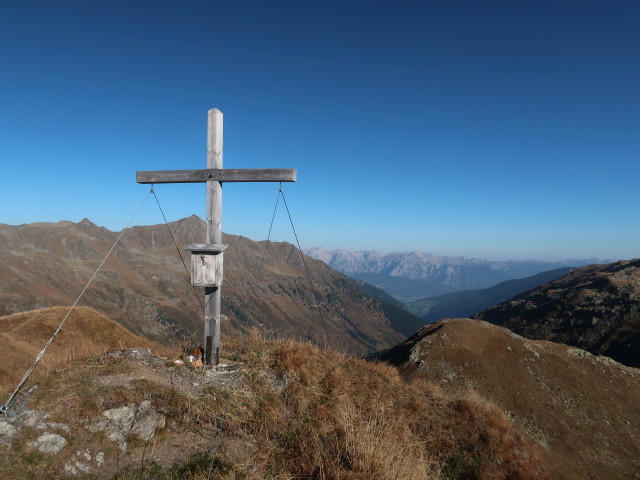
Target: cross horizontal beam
x=218, y=175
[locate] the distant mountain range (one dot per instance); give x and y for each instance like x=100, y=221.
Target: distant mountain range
x=464, y=303
x=415, y=275
x=596, y=308
x=144, y=286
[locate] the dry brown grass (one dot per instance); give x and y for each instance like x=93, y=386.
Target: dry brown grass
x=485, y=430
x=583, y=412
x=298, y=412
x=322, y=415
x=85, y=333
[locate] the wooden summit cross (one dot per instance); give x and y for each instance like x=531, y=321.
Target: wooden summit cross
x=206, y=259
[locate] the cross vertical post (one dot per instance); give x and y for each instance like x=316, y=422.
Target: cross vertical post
x=207, y=259
x=213, y=234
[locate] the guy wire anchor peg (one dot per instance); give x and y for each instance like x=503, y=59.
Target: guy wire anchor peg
x=4, y=409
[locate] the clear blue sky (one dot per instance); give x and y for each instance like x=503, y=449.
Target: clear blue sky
x=494, y=129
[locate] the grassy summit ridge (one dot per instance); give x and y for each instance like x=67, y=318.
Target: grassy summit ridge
x=291, y=411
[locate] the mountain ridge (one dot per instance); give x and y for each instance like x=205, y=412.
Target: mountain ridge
x=144, y=286
x=433, y=274
x=594, y=307
x=86, y=332
x=465, y=303
x=583, y=411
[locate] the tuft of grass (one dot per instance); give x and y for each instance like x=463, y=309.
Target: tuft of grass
x=497, y=446
x=325, y=415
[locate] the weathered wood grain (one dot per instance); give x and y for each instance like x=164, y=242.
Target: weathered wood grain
x=213, y=234
x=218, y=175
x=206, y=269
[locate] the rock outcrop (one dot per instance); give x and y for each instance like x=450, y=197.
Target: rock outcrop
x=140, y=420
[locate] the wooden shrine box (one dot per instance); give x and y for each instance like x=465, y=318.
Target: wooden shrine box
x=206, y=265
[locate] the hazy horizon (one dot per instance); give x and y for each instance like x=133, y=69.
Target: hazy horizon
x=379, y=252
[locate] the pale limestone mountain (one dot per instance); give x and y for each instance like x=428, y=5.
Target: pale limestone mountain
x=416, y=274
